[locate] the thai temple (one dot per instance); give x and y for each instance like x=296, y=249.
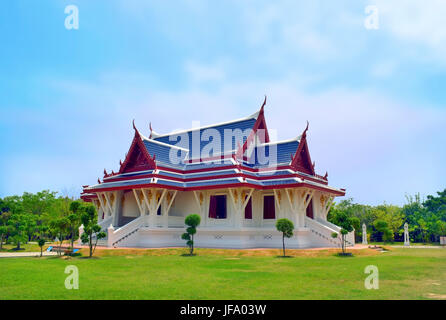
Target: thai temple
x=229, y=173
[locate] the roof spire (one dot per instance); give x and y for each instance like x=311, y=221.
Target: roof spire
x=263, y=105
x=304, y=134
x=136, y=130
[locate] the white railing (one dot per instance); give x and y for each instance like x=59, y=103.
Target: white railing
x=329, y=224
x=175, y=222
x=350, y=238
x=322, y=231
x=123, y=232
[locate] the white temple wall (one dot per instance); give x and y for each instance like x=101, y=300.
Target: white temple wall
x=184, y=204
x=317, y=207
x=130, y=207
x=220, y=233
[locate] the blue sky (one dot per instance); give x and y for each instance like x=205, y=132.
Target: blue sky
x=375, y=99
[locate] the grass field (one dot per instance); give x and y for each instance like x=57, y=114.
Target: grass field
x=27, y=247
x=229, y=274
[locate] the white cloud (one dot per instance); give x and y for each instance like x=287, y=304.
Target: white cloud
x=416, y=22
x=383, y=69
x=200, y=73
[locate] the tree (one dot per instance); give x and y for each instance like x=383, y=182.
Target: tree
x=41, y=243
x=286, y=227
x=60, y=227
x=392, y=215
x=346, y=223
x=192, y=221
x=3, y=232
x=91, y=228
x=422, y=227
x=19, y=226
x=383, y=227
x=4, y=217
x=74, y=220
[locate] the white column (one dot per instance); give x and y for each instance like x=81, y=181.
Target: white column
x=201, y=198
x=240, y=199
x=299, y=199
x=406, y=235
x=110, y=238
x=81, y=231
x=364, y=234
x=167, y=203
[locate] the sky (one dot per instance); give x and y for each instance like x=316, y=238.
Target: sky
x=374, y=98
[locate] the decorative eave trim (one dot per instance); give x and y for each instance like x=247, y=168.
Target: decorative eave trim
x=245, y=184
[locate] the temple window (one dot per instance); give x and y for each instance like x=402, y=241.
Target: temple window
x=248, y=210
x=217, y=207
x=269, y=209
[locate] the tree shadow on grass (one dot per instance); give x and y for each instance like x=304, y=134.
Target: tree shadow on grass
x=284, y=256
x=344, y=255
x=189, y=255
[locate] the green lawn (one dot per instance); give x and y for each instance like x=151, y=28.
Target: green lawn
x=230, y=274
x=27, y=247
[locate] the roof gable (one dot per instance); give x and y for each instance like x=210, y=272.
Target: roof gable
x=302, y=160
x=138, y=157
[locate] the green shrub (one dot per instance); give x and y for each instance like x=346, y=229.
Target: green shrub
x=192, y=221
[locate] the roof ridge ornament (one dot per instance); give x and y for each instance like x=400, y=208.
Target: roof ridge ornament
x=152, y=133
x=263, y=105
x=304, y=134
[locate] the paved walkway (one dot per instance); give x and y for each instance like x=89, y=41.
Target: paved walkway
x=25, y=254
x=419, y=247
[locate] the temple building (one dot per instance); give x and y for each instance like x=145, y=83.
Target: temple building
x=229, y=173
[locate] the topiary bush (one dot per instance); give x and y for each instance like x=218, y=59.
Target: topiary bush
x=192, y=221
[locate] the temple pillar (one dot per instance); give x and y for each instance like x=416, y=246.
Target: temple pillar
x=201, y=198
x=153, y=199
x=239, y=198
x=117, y=214
x=299, y=199
x=167, y=204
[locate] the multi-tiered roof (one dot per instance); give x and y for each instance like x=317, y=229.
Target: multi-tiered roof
x=149, y=162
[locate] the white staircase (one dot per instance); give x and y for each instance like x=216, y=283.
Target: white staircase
x=322, y=231
x=121, y=235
